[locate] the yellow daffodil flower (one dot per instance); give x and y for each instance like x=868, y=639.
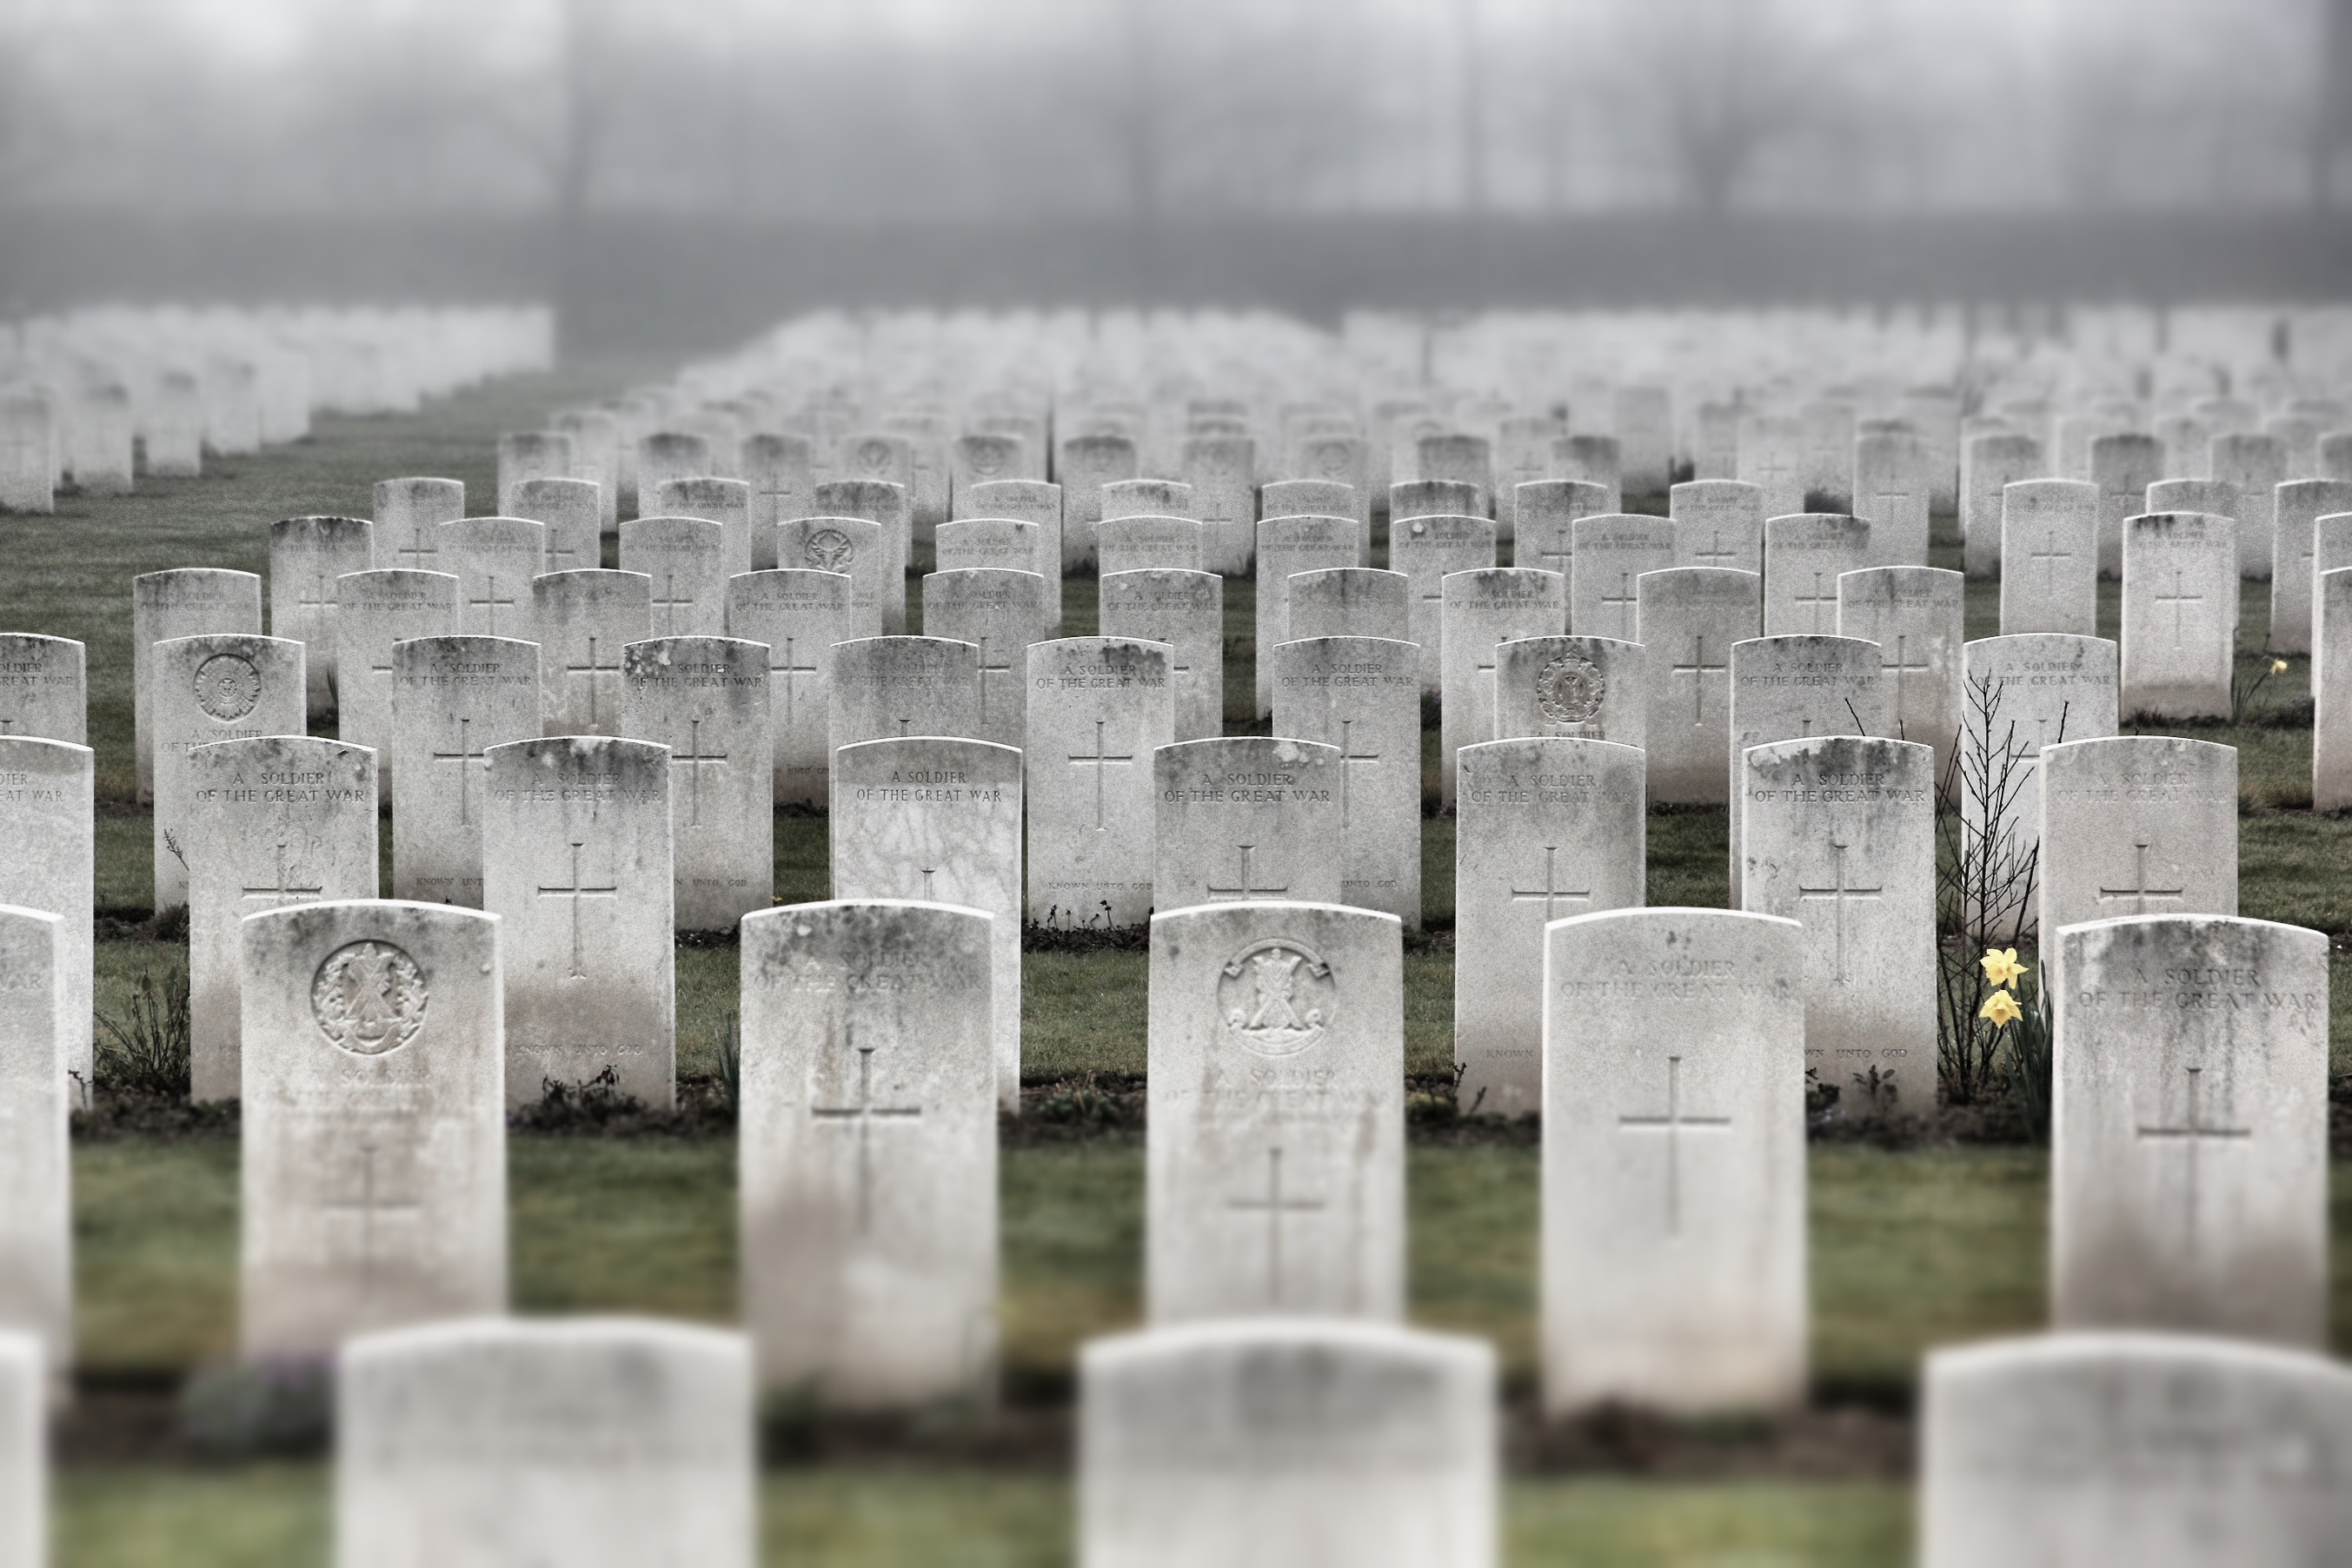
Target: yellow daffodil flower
x=2001, y=966
x=2278, y=666
x=2001, y=1009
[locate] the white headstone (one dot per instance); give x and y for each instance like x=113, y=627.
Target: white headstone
x=2050, y=556
x=305, y=556
x=1427, y=549
x=1890, y=489
x=1989, y=464
x=1542, y=535
x=1771, y=458
x=1595, y=460
x=2300, y=504
x=2158, y=1450
x=493, y=559
x=1719, y=524
x=2019, y=694
x=576, y=864
x=206, y=688
x=1287, y=544
x=868, y=1153
x=2123, y=464
x=47, y=820
x=685, y=560
x=1098, y=709
x=1795, y=689
x=273, y=822
x=581, y=621
x=1186, y=610
x=191, y=601
x=879, y=502
x=452, y=700
x=377, y=610
x=1481, y=610
x=1271, y=1444
x=1545, y=828
x=375, y=1182
x=1220, y=470
x=2331, y=683
x=1838, y=835
x=940, y=820
x=572, y=514
x=525, y=454
x=1689, y=619
x=2189, y=1128
x=781, y=470
x=1022, y=500
x=2253, y=464
x=37, y=1285
x=666, y=455
x=1612, y=552
x=1000, y=613
x=1674, y=1161
x=1274, y=1149
x=1087, y=464
x=1349, y=602
x=1592, y=689
x=591, y=1442
x=727, y=502
x=2180, y=615
x=799, y=615
x=706, y=699
x=1145, y=543
x=44, y=687
x=1146, y=498
x=408, y=518
x=1361, y=696
x=1245, y=816
x=1430, y=498
x=28, y=440
x=1915, y=615
x=2138, y=825
x=1803, y=557
x=854, y=548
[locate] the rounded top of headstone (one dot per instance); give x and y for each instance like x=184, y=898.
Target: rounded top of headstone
x=323, y=528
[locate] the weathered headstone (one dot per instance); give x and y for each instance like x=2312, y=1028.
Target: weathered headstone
x=592, y=1442
x=1144, y=542
x=1002, y=543
x=800, y=616
x=1349, y=602
x=452, y=700
x=782, y=472
x=684, y=558
x=940, y=820
x=46, y=804
x=1719, y=524
x=1000, y=613
x=1592, y=689
x=1546, y=828
x=869, y=1152
x=1542, y=534
x=1838, y=833
x=2124, y=463
x=1427, y=549
x=44, y=687
x=1338, y=458
x=37, y=1284
x=408, y=518
x=28, y=440
x=1915, y=615
x=852, y=547
x=374, y=1183
x=1087, y=464
x=1274, y=1155
x=305, y=556
x=2138, y=825
x=1269, y=1444
x=581, y=621
x=204, y=688
x=1146, y=498
x=877, y=502
x=526, y=455
x=573, y=517
x=277, y=821
x=2300, y=504
x=2018, y=694
x=981, y=459
x=2254, y=465
x=1595, y=460
x=706, y=699
x=1689, y=619
x=2188, y=1130
x=2158, y=1450
x=1186, y=611
x=2050, y=556
x=577, y=865
x=1795, y=689
x=891, y=688
x=493, y=559
x=1361, y=696
x=1989, y=464
x=2180, y=615
x=186, y=602
x=1612, y=552
x=1245, y=816
x=1890, y=490
x=1287, y=545
x=1022, y=500
x=596, y=458
x=1430, y=498
x=1220, y=470
x=727, y=502
x=1098, y=709
x=1771, y=458
x=666, y=455
x=2331, y=690
x=1803, y=557
x=378, y=609
x=1483, y=609
x=1674, y=1160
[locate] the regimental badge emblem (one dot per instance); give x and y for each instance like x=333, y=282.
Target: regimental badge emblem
x=1569, y=688
x=986, y=459
x=227, y=687
x=829, y=550
x=1278, y=996
x=369, y=998
x=874, y=457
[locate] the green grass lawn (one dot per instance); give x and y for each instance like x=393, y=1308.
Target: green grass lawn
x=1909, y=1249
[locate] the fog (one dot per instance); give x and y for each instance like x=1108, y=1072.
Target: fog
x=867, y=110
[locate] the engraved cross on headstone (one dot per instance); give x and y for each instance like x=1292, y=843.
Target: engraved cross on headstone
x=1817, y=598
x=367, y=1205
x=1099, y=760
x=1715, y=554
x=1273, y=1205
x=2139, y=892
x=1839, y=893
x=1551, y=892
x=1673, y=1124
x=785, y=672
x=320, y=602
x=1624, y=598
x=694, y=758
x=575, y=891
x=419, y=552
x=1246, y=888
x=490, y=603
x=1559, y=556
x=2049, y=556
x=1002, y=667
x=2175, y=599
x=2192, y=1132
x=593, y=668
x=284, y=891
x=464, y=756
x=861, y=1116
x=1698, y=669
x=1347, y=754
x=1901, y=665
x=669, y=604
